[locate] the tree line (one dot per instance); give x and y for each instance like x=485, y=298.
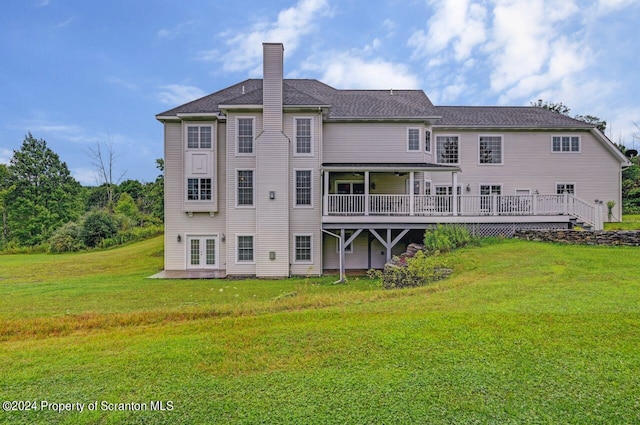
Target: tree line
x=42, y=207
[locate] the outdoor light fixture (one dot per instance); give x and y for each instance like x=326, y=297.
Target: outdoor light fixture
x=179, y=238
x=223, y=237
x=468, y=188
x=272, y=195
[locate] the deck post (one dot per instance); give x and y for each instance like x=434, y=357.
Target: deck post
x=366, y=193
x=411, y=193
x=566, y=202
x=535, y=203
x=325, y=207
x=494, y=201
x=454, y=193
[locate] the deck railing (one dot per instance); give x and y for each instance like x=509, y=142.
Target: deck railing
x=467, y=205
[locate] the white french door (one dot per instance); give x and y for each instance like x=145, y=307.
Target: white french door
x=202, y=252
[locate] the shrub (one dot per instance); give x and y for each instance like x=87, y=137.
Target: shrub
x=98, y=225
x=445, y=238
x=419, y=271
x=67, y=238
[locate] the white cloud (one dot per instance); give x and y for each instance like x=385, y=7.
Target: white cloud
x=120, y=82
x=86, y=176
x=5, y=155
x=64, y=23
x=534, y=47
x=461, y=23
x=176, y=94
x=174, y=32
x=606, y=6
x=349, y=70
x=245, y=47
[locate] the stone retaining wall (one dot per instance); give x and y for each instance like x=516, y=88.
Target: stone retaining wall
x=579, y=237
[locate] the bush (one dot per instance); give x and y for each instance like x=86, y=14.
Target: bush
x=448, y=237
x=419, y=271
x=67, y=238
x=98, y=225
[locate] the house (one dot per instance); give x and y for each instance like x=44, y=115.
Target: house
x=275, y=177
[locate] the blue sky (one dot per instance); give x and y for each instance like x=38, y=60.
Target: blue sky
x=78, y=72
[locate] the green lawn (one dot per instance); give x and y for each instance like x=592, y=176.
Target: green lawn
x=629, y=222
x=522, y=332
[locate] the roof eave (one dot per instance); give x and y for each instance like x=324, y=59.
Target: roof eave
x=396, y=119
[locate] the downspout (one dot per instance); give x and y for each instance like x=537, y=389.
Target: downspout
x=342, y=279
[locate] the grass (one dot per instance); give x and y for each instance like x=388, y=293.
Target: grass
x=522, y=332
x=629, y=222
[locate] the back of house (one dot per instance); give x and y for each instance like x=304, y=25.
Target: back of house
x=275, y=177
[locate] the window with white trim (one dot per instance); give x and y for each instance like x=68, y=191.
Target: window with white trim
x=447, y=150
x=199, y=137
x=245, y=249
x=413, y=139
x=565, y=144
x=562, y=188
x=245, y=188
x=302, y=246
x=303, y=188
x=304, y=140
x=199, y=189
x=427, y=187
x=427, y=141
x=446, y=190
x=245, y=135
x=490, y=150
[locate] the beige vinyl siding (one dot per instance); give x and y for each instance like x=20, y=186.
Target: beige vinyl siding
x=359, y=258
x=530, y=164
x=239, y=220
x=305, y=220
x=176, y=220
x=370, y=142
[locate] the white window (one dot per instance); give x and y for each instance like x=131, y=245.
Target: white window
x=245, y=136
x=302, y=246
x=486, y=195
x=413, y=139
x=303, y=188
x=565, y=144
x=245, y=249
x=199, y=189
x=446, y=190
x=427, y=141
x=199, y=137
x=427, y=187
x=490, y=149
x=562, y=188
x=245, y=188
x=447, y=150
x=304, y=138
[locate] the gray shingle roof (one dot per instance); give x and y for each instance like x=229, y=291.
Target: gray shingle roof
x=373, y=104
x=342, y=103
x=505, y=116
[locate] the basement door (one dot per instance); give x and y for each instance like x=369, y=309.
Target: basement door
x=203, y=252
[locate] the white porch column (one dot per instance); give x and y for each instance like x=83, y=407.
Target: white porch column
x=325, y=207
x=366, y=193
x=411, y=195
x=454, y=192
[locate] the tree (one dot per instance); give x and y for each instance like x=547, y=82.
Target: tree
x=5, y=190
x=561, y=108
x=104, y=159
x=43, y=193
